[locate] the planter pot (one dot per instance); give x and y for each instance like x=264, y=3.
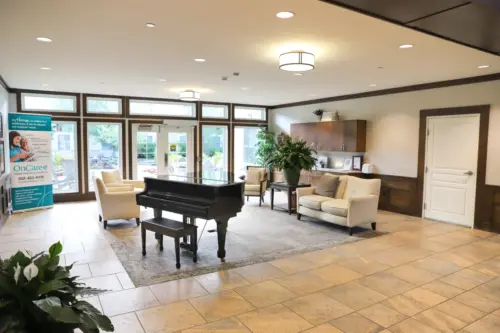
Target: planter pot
x=291, y=176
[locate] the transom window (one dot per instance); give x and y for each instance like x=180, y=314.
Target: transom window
x=162, y=108
x=48, y=102
x=214, y=111
x=104, y=105
x=249, y=113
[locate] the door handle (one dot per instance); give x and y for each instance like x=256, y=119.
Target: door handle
x=469, y=173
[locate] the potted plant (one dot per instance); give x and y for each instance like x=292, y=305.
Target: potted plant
x=265, y=144
x=38, y=295
x=291, y=156
x=318, y=113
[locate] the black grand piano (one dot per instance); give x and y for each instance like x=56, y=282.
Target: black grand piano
x=211, y=198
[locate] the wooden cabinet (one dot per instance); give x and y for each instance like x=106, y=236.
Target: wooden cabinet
x=348, y=135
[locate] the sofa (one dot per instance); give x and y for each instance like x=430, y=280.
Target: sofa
x=354, y=202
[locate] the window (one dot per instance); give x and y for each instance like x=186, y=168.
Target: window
x=48, y=103
x=162, y=108
x=249, y=113
x=104, y=105
x=214, y=111
x=245, y=149
x=64, y=157
x=215, y=150
x=104, y=149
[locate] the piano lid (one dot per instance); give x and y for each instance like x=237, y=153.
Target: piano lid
x=219, y=179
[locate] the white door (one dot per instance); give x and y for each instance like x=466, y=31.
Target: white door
x=451, y=168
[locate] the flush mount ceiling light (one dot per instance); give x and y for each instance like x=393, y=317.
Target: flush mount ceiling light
x=45, y=68
x=483, y=66
x=150, y=25
x=406, y=46
x=162, y=80
x=373, y=85
x=298, y=74
x=200, y=60
x=45, y=84
x=189, y=96
x=44, y=39
x=297, y=61
x=285, y=15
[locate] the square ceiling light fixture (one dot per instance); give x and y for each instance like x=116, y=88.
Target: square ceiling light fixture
x=189, y=96
x=297, y=61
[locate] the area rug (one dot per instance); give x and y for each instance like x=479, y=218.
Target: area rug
x=257, y=234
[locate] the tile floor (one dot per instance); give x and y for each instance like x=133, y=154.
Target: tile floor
x=423, y=277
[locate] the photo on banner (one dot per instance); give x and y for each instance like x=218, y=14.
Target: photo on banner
x=30, y=161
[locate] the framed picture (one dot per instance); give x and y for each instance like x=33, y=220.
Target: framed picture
x=357, y=163
x=348, y=164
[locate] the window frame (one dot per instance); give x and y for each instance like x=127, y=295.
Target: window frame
x=232, y=137
x=87, y=113
x=236, y=120
x=214, y=119
x=19, y=97
x=75, y=196
x=163, y=100
x=86, y=153
x=199, y=138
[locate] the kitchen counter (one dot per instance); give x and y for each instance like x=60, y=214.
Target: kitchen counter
x=336, y=170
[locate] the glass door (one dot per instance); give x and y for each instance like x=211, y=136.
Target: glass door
x=178, y=150
x=245, y=148
x=215, y=150
x=145, y=150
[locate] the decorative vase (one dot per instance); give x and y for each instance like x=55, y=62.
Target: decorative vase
x=292, y=176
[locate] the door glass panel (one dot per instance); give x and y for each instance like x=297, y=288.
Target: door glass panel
x=147, y=163
x=215, y=150
x=177, y=153
x=64, y=157
x=245, y=141
x=104, y=149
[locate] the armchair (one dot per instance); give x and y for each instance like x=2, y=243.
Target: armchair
x=256, y=183
x=115, y=202
x=114, y=179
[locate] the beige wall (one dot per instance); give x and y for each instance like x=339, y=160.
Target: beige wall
x=393, y=123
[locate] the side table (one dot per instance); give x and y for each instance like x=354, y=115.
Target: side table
x=284, y=186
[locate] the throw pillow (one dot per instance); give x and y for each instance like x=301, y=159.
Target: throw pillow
x=327, y=185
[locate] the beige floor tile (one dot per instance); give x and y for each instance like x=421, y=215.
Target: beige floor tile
x=19, y=237
x=356, y=323
x=454, y=258
x=304, y=283
x=455, y=238
x=317, y=308
x=440, y=321
x=425, y=296
x=443, y=289
x=222, y=280
x=127, y=323
x=325, y=328
x=125, y=280
x=221, y=305
x=177, y=290
x=275, y=318
x=355, y=295
x=412, y=274
x=405, y=305
x=127, y=300
x=82, y=271
x=363, y=265
x=293, y=264
x=89, y=257
x=467, y=279
x=434, y=265
x=321, y=257
x=497, y=313
x=386, y=284
x=488, y=324
x=490, y=290
x=491, y=267
x=461, y=311
x=336, y=274
x=477, y=301
x=94, y=300
x=382, y=315
x=411, y=326
x=479, y=251
x=108, y=282
x=399, y=255
x=265, y=293
x=228, y=325
x=170, y=317
x=106, y=267
x=259, y=272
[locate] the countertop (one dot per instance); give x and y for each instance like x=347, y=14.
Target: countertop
x=336, y=170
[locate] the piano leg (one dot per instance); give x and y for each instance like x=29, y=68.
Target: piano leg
x=184, y=221
x=221, y=238
x=158, y=214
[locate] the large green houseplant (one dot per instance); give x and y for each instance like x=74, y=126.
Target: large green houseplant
x=38, y=295
x=265, y=145
x=291, y=156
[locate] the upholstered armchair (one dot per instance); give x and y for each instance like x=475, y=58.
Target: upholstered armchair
x=114, y=179
x=115, y=202
x=256, y=183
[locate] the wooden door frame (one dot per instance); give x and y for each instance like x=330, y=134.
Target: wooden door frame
x=481, y=190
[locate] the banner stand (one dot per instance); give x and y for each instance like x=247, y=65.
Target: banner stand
x=30, y=150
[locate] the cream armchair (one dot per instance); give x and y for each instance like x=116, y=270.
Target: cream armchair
x=116, y=202
x=114, y=179
x=355, y=203
x=256, y=183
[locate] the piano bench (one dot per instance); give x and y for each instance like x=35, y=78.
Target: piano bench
x=162, y=226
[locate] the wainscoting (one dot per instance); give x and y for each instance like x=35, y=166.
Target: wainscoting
x=488, y=213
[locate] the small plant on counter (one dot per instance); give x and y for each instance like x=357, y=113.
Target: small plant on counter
x=38, y=295
x=319, y=114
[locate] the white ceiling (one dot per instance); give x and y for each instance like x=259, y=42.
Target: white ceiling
x=105, y=41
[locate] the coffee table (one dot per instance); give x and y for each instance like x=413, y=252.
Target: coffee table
x=284, y=186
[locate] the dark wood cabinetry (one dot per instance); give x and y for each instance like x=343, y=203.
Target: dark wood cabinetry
x=348, y=135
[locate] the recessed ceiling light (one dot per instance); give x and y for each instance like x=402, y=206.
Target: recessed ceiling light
x=373, y=85
x=298, y=74
x=244, y=88
x=200, y=60
x=44, y=39
x=163, y=80
x=406, y=46
x=285, y=15
x=45, y=84
x=483, y=66
x=150, y=25
x=45, y=68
